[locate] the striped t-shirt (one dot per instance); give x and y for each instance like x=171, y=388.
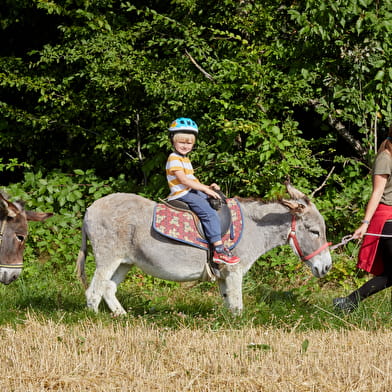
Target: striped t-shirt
x=174, y=163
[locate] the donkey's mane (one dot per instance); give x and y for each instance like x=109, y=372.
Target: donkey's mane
x=255, y=199
x=272, y=201
x=259, y=200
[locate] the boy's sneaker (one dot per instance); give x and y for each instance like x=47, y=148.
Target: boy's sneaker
x=224, y=256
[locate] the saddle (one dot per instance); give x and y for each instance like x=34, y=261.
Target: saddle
x=220, y=205
x=176, y=221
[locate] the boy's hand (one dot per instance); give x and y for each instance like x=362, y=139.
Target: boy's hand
x=212, y=193
x=215, y=186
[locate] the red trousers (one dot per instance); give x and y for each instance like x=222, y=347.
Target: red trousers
x=369, y=257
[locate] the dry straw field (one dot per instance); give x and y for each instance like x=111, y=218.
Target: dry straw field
x=133, y=356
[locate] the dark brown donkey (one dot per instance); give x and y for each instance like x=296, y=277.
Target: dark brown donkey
x=13, y=233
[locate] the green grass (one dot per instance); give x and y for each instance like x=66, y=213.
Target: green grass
x=302, y=305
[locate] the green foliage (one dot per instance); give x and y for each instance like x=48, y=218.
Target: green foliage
x=12, y=164
x=65, y=193
x=102, y=87
x=343, y=203
x=346, y=45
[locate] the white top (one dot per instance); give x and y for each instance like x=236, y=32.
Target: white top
x=174, y=163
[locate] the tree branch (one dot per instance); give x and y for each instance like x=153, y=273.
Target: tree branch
x=139, y=147
x=205, y=73
x=342, y=131
x=324, y=182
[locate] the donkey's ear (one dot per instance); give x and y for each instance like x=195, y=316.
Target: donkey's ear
x=293, y=192
x=294, y=206
x=7, y=207
x=296, y=194
x=3, y=205
x=38, y=216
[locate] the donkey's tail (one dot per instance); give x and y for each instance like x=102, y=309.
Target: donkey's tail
x=80, y=262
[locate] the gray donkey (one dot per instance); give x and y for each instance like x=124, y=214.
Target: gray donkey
x=119, y=227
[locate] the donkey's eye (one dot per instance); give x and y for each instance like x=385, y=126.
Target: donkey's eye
x=315, y=233
x=20, y=237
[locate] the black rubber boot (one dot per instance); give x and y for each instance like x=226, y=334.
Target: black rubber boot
x=344, y=304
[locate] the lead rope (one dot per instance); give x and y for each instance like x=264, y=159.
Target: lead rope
x=348, y=238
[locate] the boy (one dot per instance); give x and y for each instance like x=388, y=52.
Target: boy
x=186, y=187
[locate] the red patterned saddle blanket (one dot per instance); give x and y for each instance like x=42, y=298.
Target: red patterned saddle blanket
x=180, y=225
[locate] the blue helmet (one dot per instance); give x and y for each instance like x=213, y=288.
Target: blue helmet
x=183, y=124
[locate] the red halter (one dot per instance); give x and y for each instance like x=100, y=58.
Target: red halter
x=296, y=244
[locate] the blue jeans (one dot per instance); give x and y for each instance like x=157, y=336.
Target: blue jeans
x=198, y=203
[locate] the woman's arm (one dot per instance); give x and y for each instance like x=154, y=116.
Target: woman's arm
x=379, y=182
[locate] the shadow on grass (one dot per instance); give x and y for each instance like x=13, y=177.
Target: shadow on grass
x=48, y=300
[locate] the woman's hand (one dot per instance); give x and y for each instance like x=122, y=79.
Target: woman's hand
x=360, y=232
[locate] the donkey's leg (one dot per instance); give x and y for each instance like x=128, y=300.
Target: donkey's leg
x=109, y=294
x=231, y=288
x=102, y=286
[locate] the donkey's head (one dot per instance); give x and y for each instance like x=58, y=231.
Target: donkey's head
x=13, y=234
x=307, y=235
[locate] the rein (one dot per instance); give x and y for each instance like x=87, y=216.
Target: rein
x=2, y=229
x=292, y=236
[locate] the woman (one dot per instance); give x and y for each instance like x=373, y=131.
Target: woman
x=375, y=255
